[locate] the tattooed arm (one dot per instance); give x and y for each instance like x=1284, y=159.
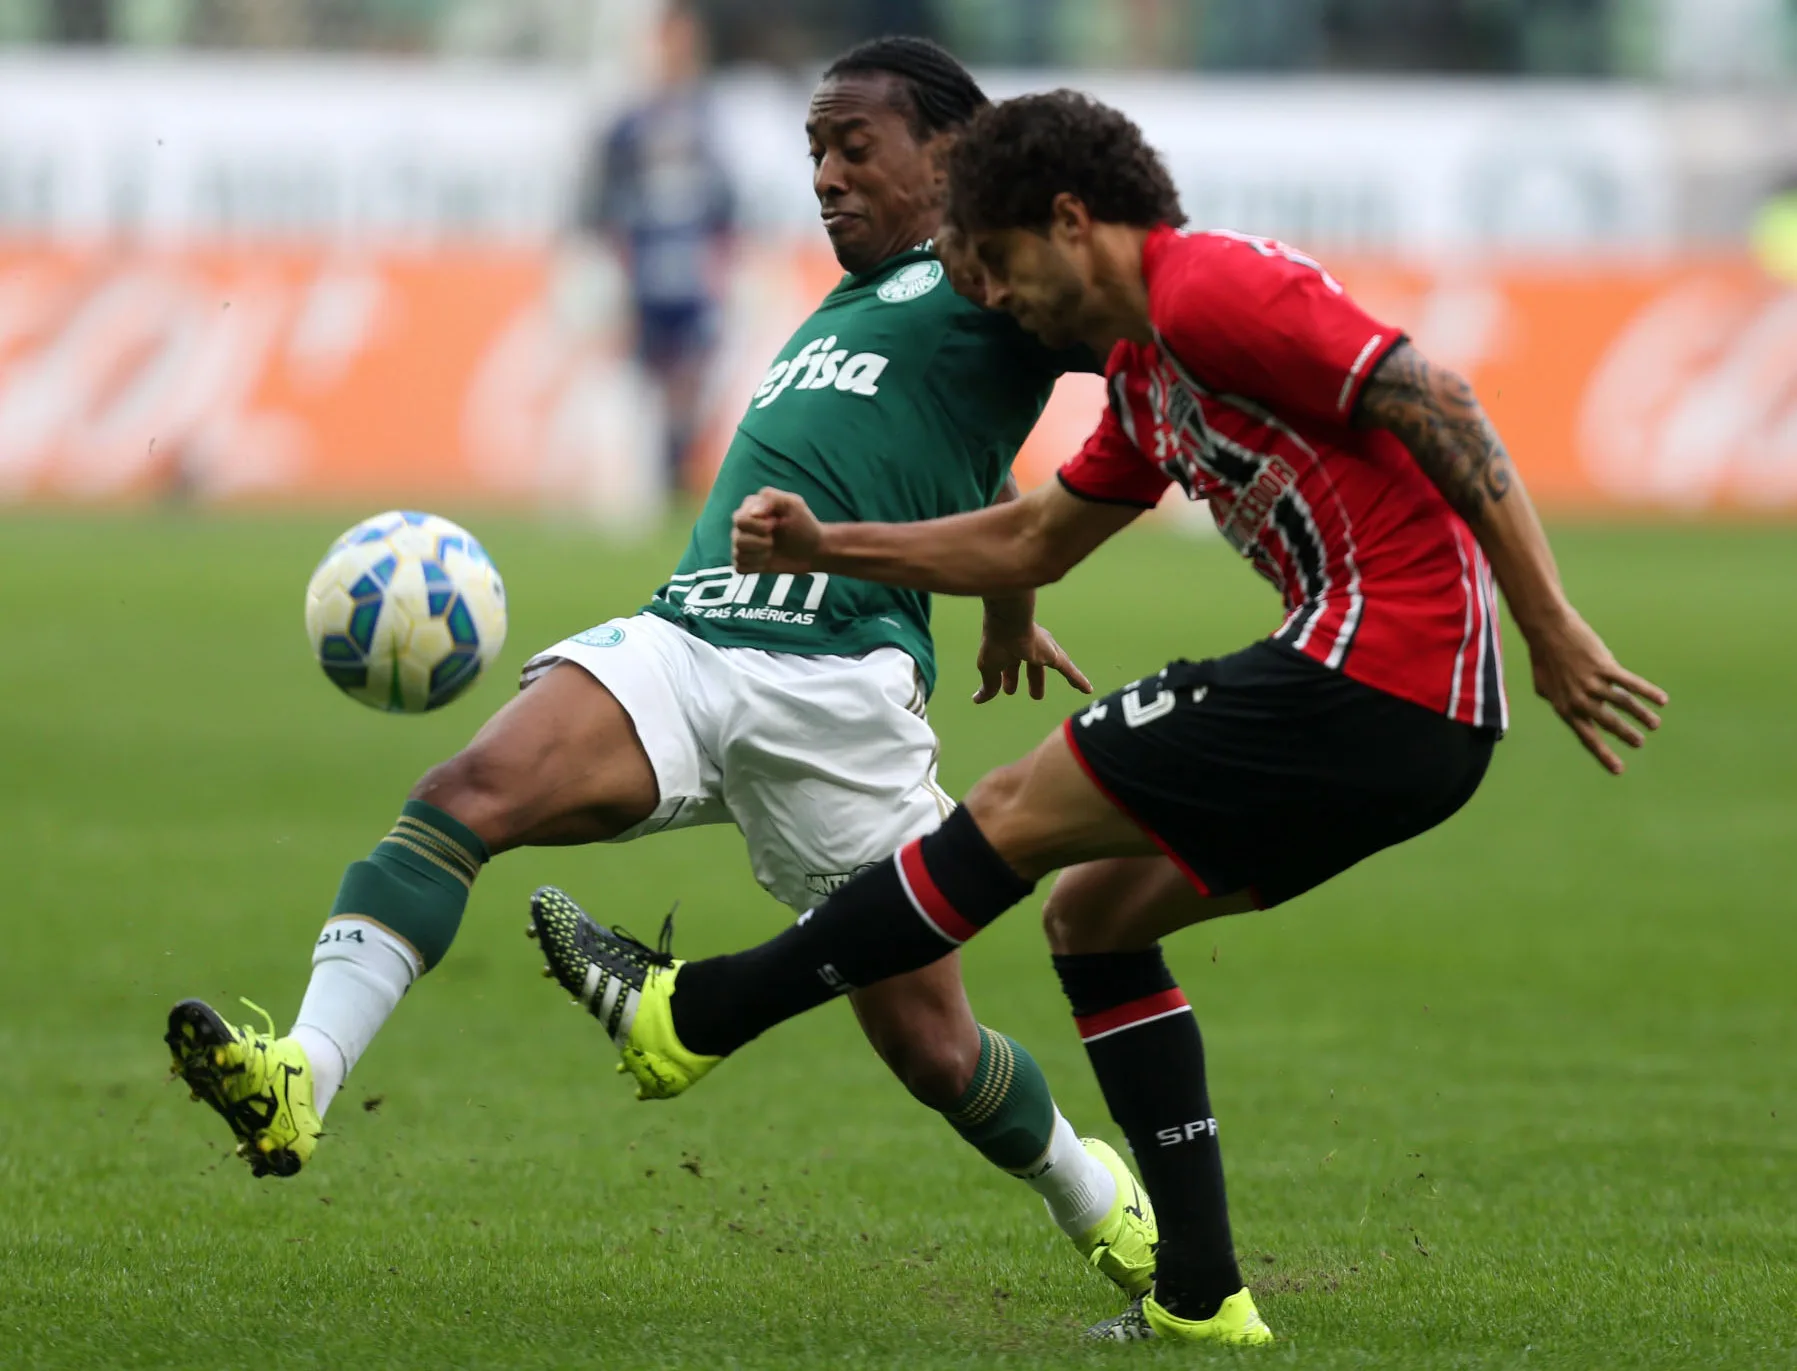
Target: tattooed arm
x=1435, y=414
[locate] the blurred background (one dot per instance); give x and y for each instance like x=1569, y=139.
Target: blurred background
x=536, y=252
x=268, y=266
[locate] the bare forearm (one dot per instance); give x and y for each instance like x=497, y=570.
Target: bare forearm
x=1015, y=611
x=1434, y=412
x=987, y=553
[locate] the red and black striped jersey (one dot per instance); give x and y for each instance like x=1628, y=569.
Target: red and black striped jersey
x=1245, y=398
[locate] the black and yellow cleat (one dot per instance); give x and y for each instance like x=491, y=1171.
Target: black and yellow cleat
x=1237, y=1323
x=260, y=1085
x=626, y=985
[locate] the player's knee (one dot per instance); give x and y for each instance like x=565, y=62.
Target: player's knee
x=937, y=1072
x=475, y=788
x=929, y=1053
x=1056, y=923
x=995, y=796
x=1071, y=924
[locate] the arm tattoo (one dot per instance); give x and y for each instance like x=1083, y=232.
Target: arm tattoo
x=1435, y=414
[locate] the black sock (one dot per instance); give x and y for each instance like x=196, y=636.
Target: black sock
x=1143, y=1041
x=916, y=908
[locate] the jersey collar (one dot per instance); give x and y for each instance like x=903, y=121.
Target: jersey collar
x=917, y=252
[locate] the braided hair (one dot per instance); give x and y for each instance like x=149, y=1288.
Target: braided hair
x=940, y=93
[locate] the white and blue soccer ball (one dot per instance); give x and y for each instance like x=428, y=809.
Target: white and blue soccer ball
x=405, y=612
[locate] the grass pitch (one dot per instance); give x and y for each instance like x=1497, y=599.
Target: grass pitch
x=1520, y=1094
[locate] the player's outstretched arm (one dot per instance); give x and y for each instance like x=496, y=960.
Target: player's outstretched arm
x=1434, y=412
x=1010, y=547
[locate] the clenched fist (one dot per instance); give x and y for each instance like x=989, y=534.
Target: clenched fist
x=775, y=531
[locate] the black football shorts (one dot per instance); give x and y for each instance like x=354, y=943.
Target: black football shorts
x=1268, y=772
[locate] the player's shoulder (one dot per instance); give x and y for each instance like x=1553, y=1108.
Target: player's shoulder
x=1216, y=276
x=1189, y=255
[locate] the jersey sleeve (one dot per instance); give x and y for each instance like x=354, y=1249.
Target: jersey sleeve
x=1255, y=318
x=1112, y=470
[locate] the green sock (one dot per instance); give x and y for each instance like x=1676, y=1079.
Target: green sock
x=415, y=883
x=1007, y=1112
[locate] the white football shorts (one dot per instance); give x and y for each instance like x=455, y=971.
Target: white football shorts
x=826, y=764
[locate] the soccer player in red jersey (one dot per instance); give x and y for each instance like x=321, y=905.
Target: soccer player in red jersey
x=1366, y=484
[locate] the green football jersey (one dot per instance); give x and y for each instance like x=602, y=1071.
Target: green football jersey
x=897, y=400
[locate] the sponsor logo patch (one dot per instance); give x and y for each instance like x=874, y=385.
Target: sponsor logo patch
x=822, y=883
x=821, y=365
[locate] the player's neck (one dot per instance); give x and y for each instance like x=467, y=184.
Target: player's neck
x=919, y=231
x=1119, y=297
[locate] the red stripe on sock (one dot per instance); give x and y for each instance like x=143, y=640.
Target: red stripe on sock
x=1129, y=1015
x=928, y=900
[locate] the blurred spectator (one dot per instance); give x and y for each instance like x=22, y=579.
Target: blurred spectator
x=657, y=192
x=81, y=21
x=1775, y=232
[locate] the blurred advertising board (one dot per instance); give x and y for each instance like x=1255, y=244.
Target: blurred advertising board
x=270, y=278
x=187, y=149
x=462, y=376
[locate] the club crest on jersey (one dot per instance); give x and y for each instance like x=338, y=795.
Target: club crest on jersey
x=821, y=365
x=908, y=283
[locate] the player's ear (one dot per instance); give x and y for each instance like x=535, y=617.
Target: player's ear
x=937, y=148
x=1068, y=218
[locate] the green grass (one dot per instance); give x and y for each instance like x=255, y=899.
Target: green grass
x=1520, y=1094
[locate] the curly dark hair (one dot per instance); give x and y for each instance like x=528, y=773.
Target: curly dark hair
x=942, y=94
x=1016, y=156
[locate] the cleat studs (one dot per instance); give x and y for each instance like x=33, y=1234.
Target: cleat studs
x=265, y=1144
x=548, y=973
x=530, y=931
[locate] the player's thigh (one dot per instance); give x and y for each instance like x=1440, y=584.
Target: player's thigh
x=1125, y=904
x=1044, y=812
x=560, y=763
x=828, y=767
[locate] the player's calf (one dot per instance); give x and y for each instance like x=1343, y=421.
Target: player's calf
x=924, y=1030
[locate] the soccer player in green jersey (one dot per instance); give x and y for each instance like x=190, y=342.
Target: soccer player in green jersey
x=791, y=706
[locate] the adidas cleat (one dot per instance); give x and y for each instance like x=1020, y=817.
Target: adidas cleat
x=1237, y=1323
x=1121, y=1246
x=626, y=985
x=260, y=1084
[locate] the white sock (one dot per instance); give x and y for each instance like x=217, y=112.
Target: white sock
x=360, y=971
x=1075, y=1185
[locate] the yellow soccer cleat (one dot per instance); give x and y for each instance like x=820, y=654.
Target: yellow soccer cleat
x=260, y=1084
x=1237, y=1323
x=1121, y=1246
x=626, y=985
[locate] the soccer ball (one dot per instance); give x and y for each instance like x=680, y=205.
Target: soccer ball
x=405, y=612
